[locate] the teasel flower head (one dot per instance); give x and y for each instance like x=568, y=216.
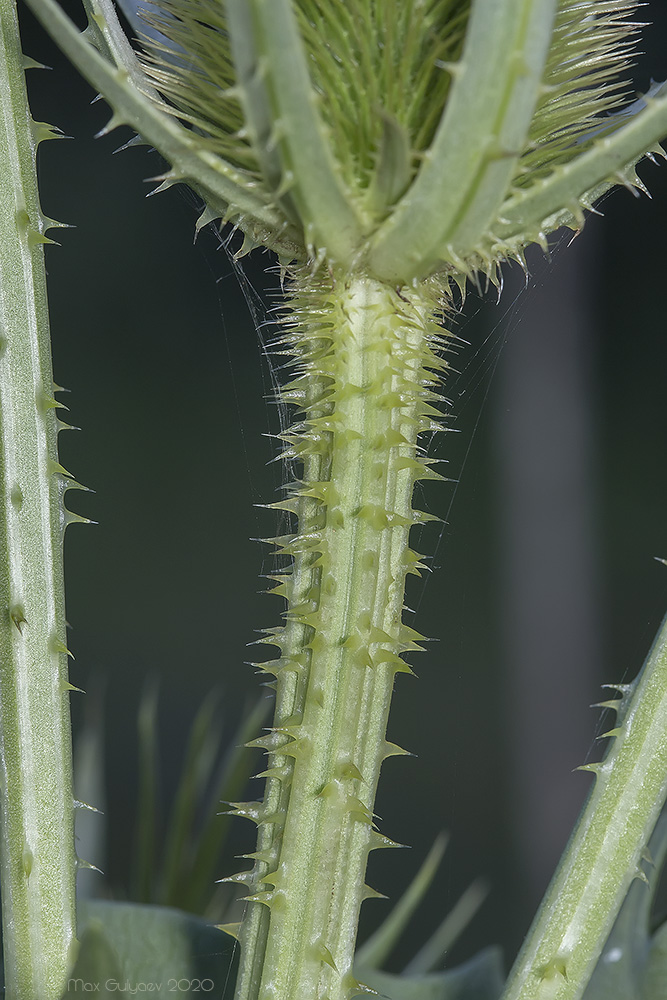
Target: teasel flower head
x=407, y=139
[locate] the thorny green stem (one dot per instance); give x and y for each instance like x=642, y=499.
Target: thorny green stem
x=363, y=351
x=37, y=860
x=607, y=846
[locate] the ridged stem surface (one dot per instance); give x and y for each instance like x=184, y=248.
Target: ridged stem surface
x=37, y=860
x=606, y=849
x=364, y=355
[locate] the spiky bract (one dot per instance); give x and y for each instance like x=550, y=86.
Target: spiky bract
x=386, y=89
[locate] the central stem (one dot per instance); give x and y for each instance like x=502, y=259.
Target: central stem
x=364, y=352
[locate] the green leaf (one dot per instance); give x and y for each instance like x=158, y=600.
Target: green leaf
x=432, y=953
x=178, y=866
x=144, y=876
x=200, y=760
x=232, y=777
x=479, y=979
x=127, y=947
x=97, y=962
x=379, y=946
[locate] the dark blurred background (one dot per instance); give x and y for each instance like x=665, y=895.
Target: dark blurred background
x=545, y=583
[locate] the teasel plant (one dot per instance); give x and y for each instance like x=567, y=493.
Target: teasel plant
x=388, y=154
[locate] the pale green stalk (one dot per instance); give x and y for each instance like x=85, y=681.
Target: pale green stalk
x=607, y=846
x=37, y=859
x=363, y=349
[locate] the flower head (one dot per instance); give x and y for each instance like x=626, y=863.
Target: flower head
x=430, y=135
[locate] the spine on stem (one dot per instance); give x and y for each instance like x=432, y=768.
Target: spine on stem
x=366, y=362
x=37, y=859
